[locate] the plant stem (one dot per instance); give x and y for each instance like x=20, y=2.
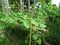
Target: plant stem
x=30, y=29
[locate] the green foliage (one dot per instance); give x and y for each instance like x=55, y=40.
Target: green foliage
x=42, y=26
x=39, y=41
x=22, y=20
x=19, y=19
x=2, y=26
x=18, y=24
x=1, y=39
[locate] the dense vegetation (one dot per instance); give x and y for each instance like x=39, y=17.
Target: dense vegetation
x=40, y=24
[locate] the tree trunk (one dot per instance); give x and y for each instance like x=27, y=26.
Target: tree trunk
x=21, y=4
x=0, y=4
x=29, y=5
x=5, y=6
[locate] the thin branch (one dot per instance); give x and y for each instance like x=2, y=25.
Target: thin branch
x=36, y=28
x=45, y=42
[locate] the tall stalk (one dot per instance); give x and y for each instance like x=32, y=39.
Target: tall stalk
x=34, y=9
x=30, y=41
x=30, y=23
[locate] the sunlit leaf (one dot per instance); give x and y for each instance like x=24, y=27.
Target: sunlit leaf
x=34, y=22
x=35, y=36
x=42, y=26
x=39, y=41
x=26, y=24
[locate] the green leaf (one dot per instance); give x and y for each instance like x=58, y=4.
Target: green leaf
x=10, y=20
x=35, y=36
x=1, y=39
x=2, y=26
x=42, y=26
x=3, y=19
x=39, y=41
x=34, y=22
x=25, y=17
x=26, y=24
